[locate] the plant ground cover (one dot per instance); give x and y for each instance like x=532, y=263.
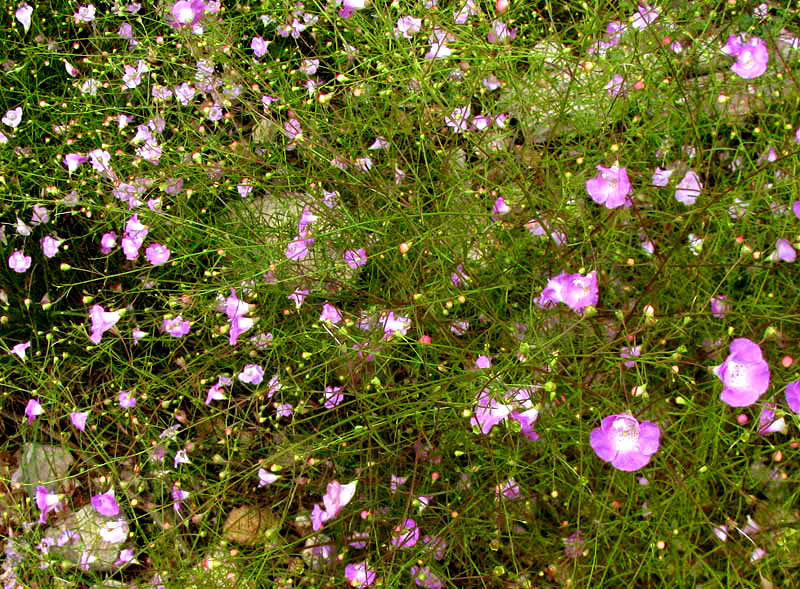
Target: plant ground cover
x=437, y=294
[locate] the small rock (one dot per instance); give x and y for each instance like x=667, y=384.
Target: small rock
x=86, y=537
x=250, y=525
x=43, y=465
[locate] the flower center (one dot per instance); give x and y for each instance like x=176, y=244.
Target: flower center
x=747, y=58
x=737, y=376
x=626, y=434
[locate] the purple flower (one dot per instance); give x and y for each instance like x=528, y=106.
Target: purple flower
x=179, y=496
x=644, y=16
x=688, y=188
x=793, y=396
x=575, y=290
x=424, y=577
x=297, y=250
x=407, y=535
x=508, y=490
x=102, y=321
x=630, y=352
x=355, y=258
x=435, y=546
x=251, y=374
x=407, y=26
x=108, y=242
x=33, y=409
x=359, y=574
x=661, y=177
x=266, y=478
x=23, y=15
x=177, y=327
x=719, y=307
x=333, y=396
x=744, y=374
x=19, y=349
x=784, y=251
x=335, y=498
x=259, y=46
x=157, y=254
x=19, y=262
x=625, y=442
x=298, y=297
x=574, y=544
x=78, y=419
x=330, y=313
x=126, y=400
x=106, y=504
x=610, y=187
x=751, y=57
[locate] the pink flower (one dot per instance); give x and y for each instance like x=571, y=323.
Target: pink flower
x=784, y=251
x=483, y=362
x=23, y=15
x=644, y=16
x=106, y=504
x=298, y=297
x=407, y=535
x=74, y=160
x=178, y=496
x=359, y=574
x=50, y=246
x=157, y=254
x=350, y=6
x=610, y=187
x=335, y=498
x=333, y=396
x=297, y=250
x=394, y=324
x=625, y=442
x=407, y=26
x=768, y=423
x=78, y=419
x=688, y=188
x=102, y=321
x=752, y=57
x=19, y=349
x=266, y=478
x=744, y=374
x=355, y=258
x=33, y=409
x=177, y=327
x=19, y=262
x=508, y=490
x=13, y=117
x=500, y=32
x=458, y=120
x=251, y=374
x=187, y=13
x=575, y=290
x=259, y=46
x=108, y=242
x=661, y=177
x=424, y=577
x=330, y=313
x=719, y=307
x=126, y=400
x=793, y=396
x=47, y=502
x=84, y=14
